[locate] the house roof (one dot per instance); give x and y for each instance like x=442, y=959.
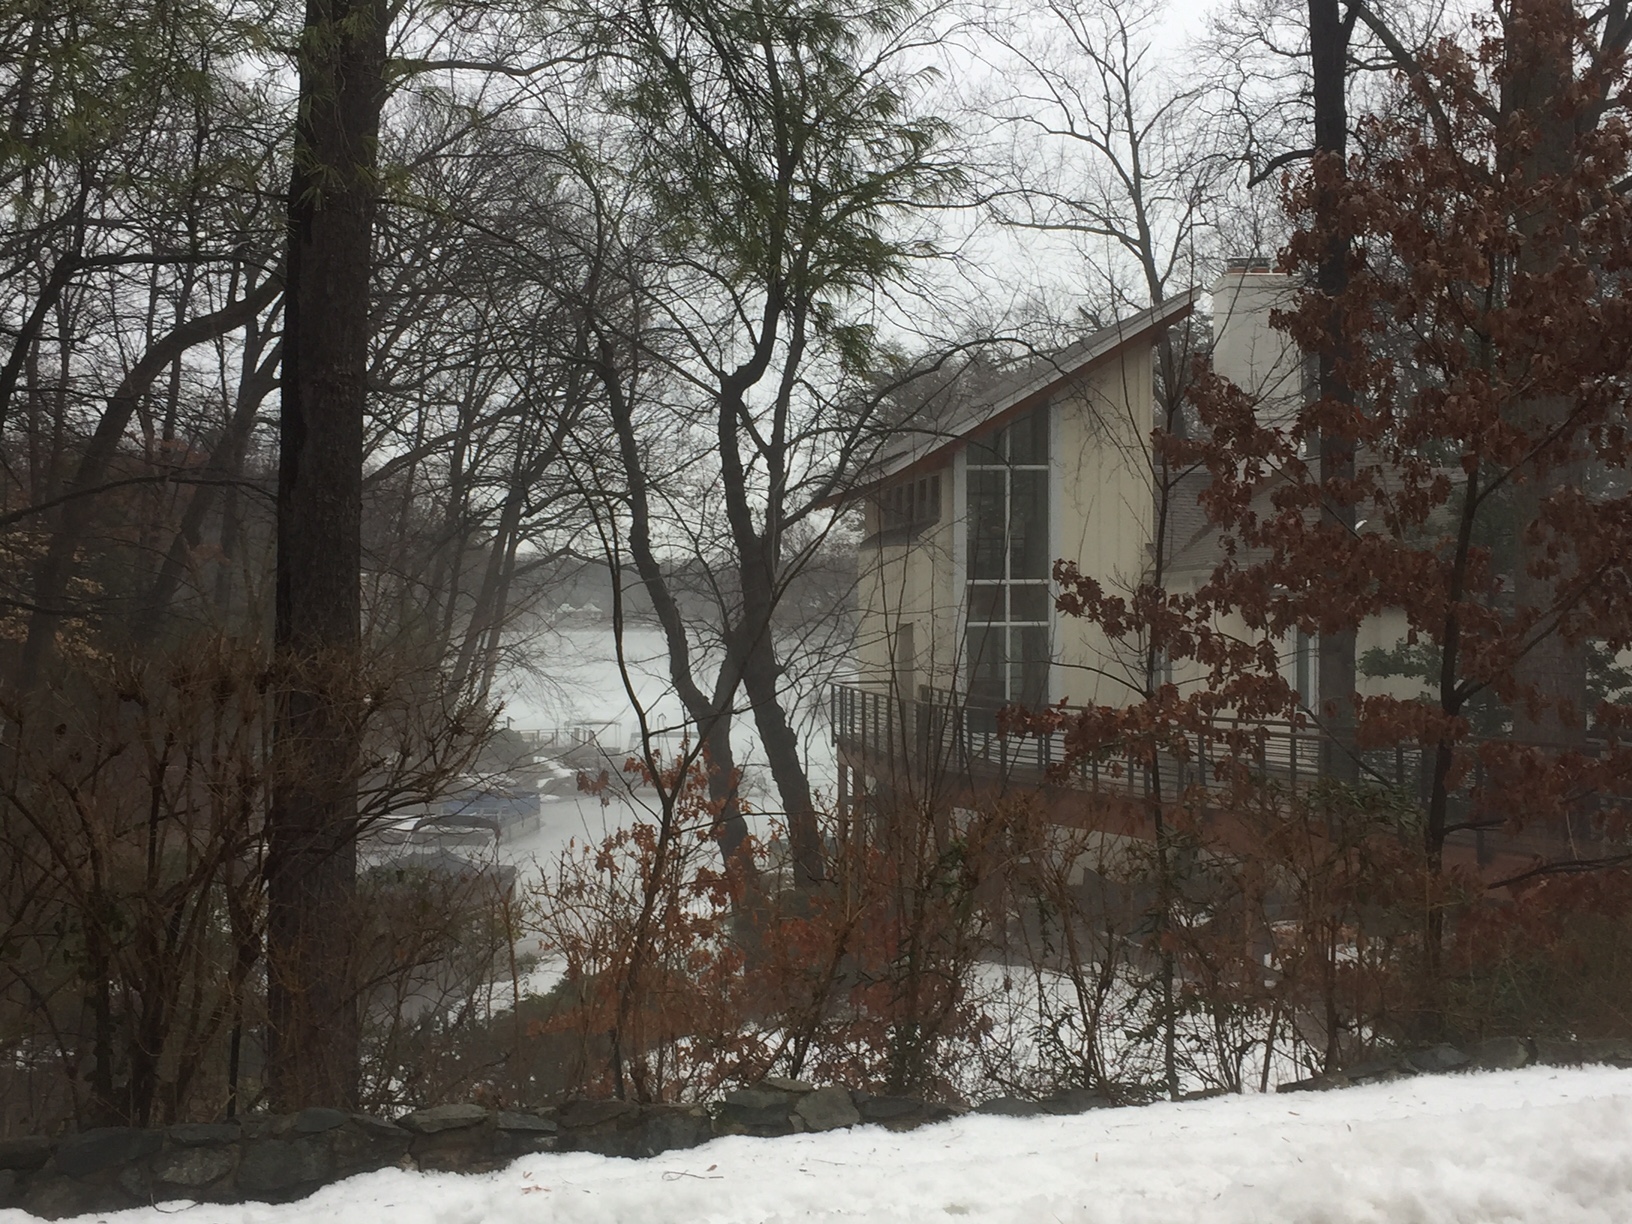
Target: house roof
x=1192, y=539
x=926, y=442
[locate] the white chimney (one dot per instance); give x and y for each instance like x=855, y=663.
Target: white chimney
x=1249, y=352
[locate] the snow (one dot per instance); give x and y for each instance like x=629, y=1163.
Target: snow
x=1541, y=1146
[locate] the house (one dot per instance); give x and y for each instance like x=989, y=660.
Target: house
x=965, y=514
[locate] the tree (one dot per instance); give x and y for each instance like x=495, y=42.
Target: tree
x=140, y=339
x=474, y=389
x=1561, y=73
x=135, y=165
x=1321, y=95
x=1110, y=154
x=1451, y=326
x=774, y=166
x=1482, y=345
x=1335, y=668
x=311, y=825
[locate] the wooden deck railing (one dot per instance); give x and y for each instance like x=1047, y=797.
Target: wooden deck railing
x=943, y=741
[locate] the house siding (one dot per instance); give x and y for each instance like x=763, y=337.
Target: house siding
x=1100, y=515
x=906, y=580
x=1104, y=516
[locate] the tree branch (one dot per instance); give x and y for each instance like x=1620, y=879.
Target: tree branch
x=1276, y=162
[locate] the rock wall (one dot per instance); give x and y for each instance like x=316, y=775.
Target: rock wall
x=1494, y=1054
x=281, y=1158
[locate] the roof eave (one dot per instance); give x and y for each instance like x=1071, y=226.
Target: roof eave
x=1096, y=349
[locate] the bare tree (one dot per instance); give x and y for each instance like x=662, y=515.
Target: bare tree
x=771, y=167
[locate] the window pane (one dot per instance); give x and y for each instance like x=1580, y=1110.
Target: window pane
x=987, y=451
x=1028, y=602
x=1028, y=525
x=986, y=602
x=1029, y=671
x=986, y=524
x=987, y=663
x=1028, y=437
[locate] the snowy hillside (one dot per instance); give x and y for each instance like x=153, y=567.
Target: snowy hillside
x=1540, y=1146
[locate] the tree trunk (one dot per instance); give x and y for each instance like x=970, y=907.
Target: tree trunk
x=312, y=1006
x=1335, y=678
x=1552, y=674
x=781, y=743
x=711, y=716
x=758, y=570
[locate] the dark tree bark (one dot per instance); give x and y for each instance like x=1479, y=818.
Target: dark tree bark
x=312, y=1009
x=1328, y=55
x=759, y=568
x=1552, y=674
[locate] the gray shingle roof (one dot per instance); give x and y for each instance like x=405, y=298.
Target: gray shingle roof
x=921, y=440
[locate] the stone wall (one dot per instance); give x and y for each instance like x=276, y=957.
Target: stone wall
x=1495, y=1054
x=281, y=1158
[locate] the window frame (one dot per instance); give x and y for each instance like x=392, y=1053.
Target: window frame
x=982, y=456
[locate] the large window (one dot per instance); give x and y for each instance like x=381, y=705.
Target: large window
x=1007, y=564
x=1306, y=661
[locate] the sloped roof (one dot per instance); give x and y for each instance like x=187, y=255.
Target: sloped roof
x=927, y=442
x=1190, y=533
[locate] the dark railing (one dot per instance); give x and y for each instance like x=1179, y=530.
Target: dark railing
x=946, y=740
x=942, y=730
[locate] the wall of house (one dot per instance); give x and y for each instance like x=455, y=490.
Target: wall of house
x=910, y=621
x=1103, y=516
x=911, y=585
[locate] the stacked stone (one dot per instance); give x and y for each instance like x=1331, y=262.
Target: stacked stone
x=1061, y=1104
x=278, y=1159
x=777, y=1106
x=1493, y=1054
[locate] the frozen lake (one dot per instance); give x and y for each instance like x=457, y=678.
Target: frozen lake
x=578, y=681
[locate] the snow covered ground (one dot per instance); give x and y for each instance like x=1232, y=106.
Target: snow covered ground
x=1540, y=1146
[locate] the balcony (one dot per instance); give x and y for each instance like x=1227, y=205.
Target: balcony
x=946, y=749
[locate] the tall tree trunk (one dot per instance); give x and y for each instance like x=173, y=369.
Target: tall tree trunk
x=1335, y=680
x=1539, y=76
x=760, y=675
x=312, y=1007
x=759, y=568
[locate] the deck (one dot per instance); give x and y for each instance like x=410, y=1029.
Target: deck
x=950, y=752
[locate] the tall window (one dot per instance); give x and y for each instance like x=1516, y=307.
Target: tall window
x=1305, y=665
x=1008, y=605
